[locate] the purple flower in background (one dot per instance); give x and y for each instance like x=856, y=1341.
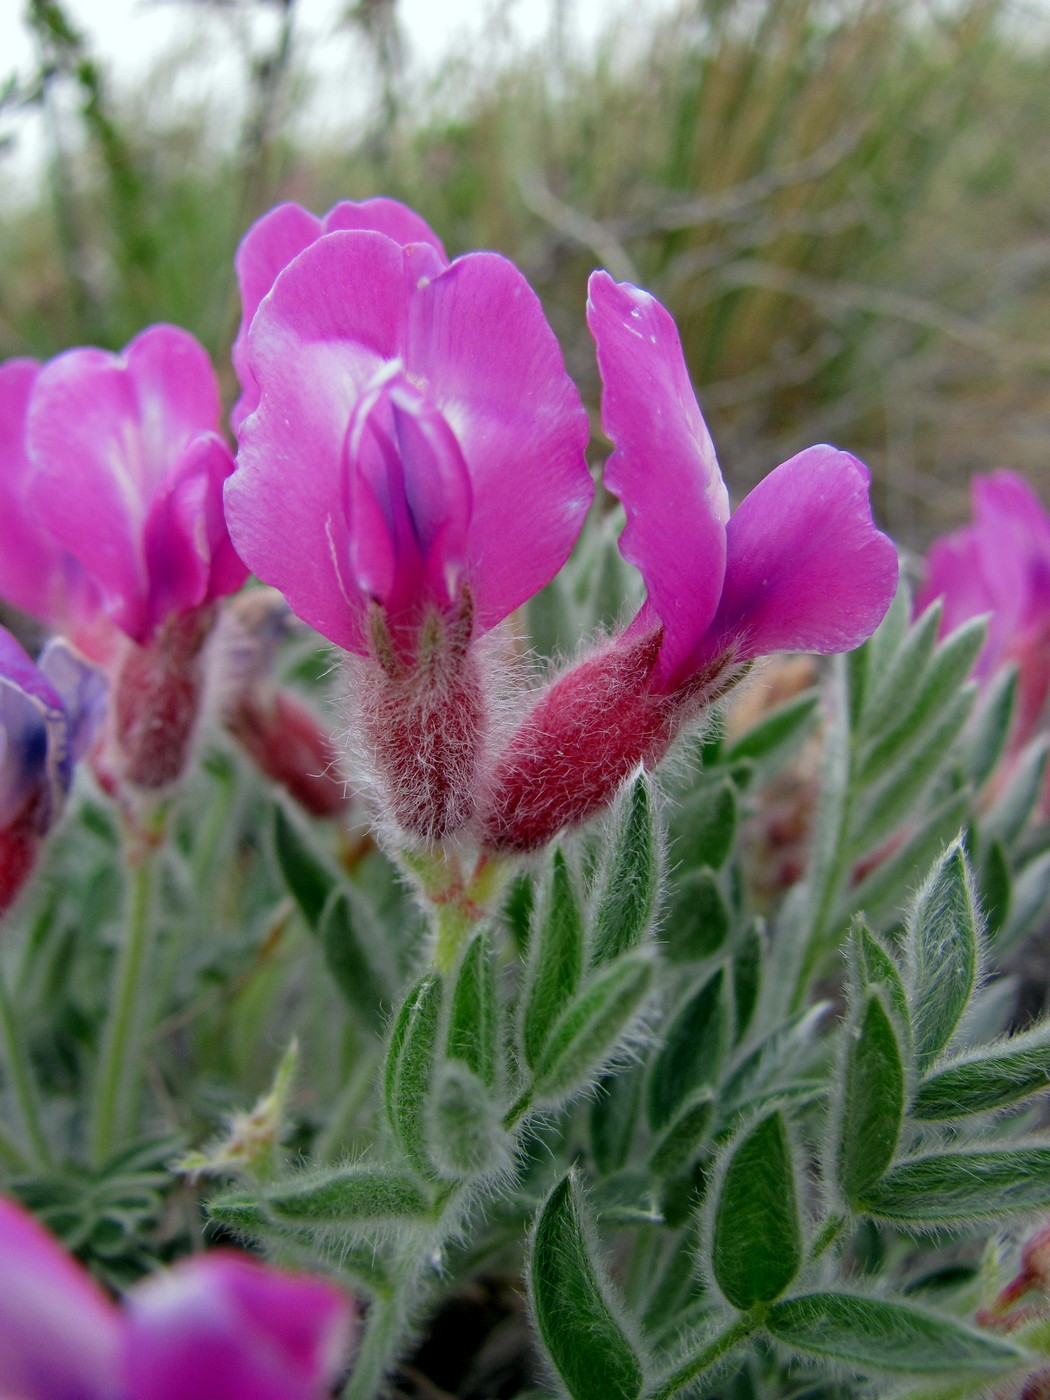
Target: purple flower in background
x=48, y=715
x=413, y=472
x=281, y=235
x=126, y=470
x=799, y=567
x=219, y=1326
x=1000, y=565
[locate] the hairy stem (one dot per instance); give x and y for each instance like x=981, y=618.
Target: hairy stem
x=705, y=1359
x=120, y=1064
x=20, y=1075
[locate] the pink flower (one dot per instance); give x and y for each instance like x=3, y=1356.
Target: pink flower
x=413, y=472
x=416, y=435
x=1000, y=565
x=799, y=566
x=219, y=1326
x=126, y=470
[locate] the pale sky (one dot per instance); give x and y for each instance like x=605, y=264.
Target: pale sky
x=131, y=37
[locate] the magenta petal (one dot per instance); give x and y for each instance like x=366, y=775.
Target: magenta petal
x=494, y=370
x=335, y=317
x=88, y=479
x=268, y=247
x=664, y=468
x=222, y=1327
x=59, y=1334
x=382, y=215
x=30, y=563
x=806, y=570
x=188, y=551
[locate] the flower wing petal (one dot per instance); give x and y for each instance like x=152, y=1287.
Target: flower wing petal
x=806, y=569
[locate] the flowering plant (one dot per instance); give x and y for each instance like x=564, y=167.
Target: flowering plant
x=546, y=1028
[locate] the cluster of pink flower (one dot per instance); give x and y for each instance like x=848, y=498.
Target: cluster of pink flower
x=411, y=469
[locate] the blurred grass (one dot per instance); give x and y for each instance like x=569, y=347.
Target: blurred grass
x=844, y=204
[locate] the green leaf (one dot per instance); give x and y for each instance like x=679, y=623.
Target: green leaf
x=348, y=1194
x=680, y=1144
x=992, y=727
x=756, y=1244
x=778, y=733
x=1011, y=1072
x=995, y=887
x=691, y=1053
x=410, y=1065
x=942, y=951
x=473, y=1022
x=348, y=958
x=1012, y=809
x=949, y=1187
x=628, y=1198
x=556, y=961
x=1029, y=902
x=627, y=900
x=591, y=1028
x=877, y=968
x=885, y=1336
x=517, y=910
x=925, y=699
x=747, y=976
x=706, y=826
x=613, y=1115
x=588, y=1347
x=466, y=1136
x=307, y=876
x=699, y=919
x=897, y=790
x=901, y=657
x=871, y=1099
x=881, y=891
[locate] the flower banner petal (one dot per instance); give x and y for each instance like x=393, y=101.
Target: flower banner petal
x=663, y=469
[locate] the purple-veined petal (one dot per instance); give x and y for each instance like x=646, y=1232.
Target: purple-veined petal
x=24, y=739
x=335, y=317
x=189, y=556
x=487, y=360
x=222, y=1327
x=404, y=463
x=60, y=1336
x=663, y=469
x=806, y=569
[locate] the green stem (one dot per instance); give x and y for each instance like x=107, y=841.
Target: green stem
x=695, y=1367
x=120, y=1063
x=452, y=925
x=21, y=1077
x=388, y=1319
